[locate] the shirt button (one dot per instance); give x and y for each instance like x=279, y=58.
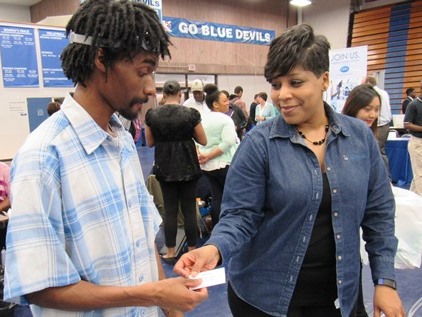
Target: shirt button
x=141, y=278
x=328, y=168
x=340, y=281
x=334, y=191
x=339, y=257
x=338, y=236
x=335, y=214
x=138, y=243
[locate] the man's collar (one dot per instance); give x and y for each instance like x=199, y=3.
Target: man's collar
x=88, y=131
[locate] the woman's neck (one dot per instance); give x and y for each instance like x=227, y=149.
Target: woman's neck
x=172, y=101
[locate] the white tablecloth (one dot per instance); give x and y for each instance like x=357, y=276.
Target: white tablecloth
x=408, y=230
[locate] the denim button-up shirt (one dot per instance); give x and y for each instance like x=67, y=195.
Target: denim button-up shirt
x=272, y=195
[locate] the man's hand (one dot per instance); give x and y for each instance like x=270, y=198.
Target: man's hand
x=387, y=300
x=198, y=260
x=175, y=313
x=172, y=313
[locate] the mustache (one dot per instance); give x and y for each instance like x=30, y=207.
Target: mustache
x=139, y=100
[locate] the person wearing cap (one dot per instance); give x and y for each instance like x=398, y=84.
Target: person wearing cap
x=81, y=238
x=197, y=101
x=172, y=130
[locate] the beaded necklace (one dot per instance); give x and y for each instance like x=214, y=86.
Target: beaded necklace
x=320, y=142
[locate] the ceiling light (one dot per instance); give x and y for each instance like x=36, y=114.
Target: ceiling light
x=300, y=3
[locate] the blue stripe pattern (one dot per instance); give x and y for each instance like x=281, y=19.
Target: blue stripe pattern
x=396, y=57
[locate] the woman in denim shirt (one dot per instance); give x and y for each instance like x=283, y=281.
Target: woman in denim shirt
x=299, y=189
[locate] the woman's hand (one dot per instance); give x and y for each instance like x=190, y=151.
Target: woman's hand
x=198, y=260
x=203, y=158
x=387, y=300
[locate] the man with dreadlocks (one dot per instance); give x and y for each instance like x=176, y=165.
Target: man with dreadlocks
x=81, y=238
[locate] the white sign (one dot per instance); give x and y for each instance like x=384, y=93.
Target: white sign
x=348, y=67
x=157, y=5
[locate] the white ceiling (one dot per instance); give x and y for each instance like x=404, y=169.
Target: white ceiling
x=20, y=2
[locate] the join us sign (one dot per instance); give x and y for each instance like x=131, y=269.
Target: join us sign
x=184, y=28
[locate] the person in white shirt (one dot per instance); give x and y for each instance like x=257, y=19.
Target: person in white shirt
x=384, y=118
x=197, y=101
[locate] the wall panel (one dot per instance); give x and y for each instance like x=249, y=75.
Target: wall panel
x=393, y=36
x=209, y=57
x=220, y=57
x=47, y=8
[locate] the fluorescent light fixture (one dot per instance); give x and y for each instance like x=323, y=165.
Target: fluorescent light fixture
x=300, y=3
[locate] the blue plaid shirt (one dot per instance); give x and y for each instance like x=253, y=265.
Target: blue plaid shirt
x=81, y=211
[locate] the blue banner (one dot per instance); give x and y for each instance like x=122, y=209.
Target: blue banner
x=184, y=28
x=18, y=57
x=52, y=43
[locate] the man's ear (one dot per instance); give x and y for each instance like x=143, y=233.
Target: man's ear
x=99, y=60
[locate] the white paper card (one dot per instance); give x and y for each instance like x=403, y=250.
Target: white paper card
x=211, y=278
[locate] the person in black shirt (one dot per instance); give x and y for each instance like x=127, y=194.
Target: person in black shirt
x=172, y=129
x=410, y=92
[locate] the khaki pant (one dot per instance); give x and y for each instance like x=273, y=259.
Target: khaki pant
x=415, y=153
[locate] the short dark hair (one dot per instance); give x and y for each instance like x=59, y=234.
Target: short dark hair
x=263, y=95
x=238, y=90
x=297, y=46
x=53, y=107
x=121, y=28
x=226, y=93
x=360, y=97
x=371, y=80
x=409, y=91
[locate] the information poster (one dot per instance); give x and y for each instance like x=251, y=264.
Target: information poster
x=348, y=67
x=19, y=57
x=52, y=43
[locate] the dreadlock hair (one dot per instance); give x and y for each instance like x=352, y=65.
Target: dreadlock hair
x=297, y=46
x=122, y=28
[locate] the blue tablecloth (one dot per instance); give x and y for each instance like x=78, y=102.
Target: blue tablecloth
x=399, y=162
